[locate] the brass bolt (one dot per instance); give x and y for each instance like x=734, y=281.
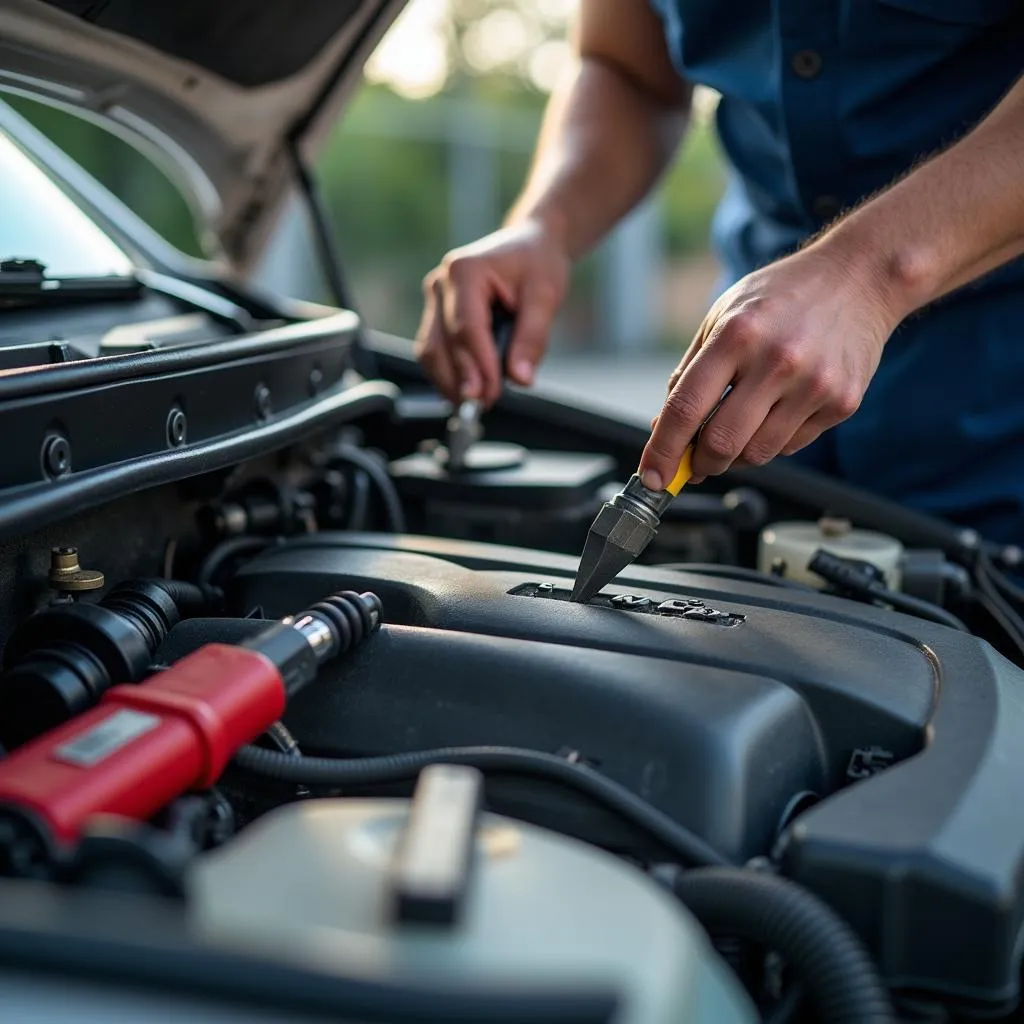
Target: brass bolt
x=68, y=576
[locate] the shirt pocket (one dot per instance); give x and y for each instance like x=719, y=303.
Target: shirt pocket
x=959, y=12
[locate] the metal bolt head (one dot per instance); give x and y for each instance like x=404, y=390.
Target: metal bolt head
x=262, y=402
x=177, y=427
x=623, y=529
x=316, y=381
x=67, y=575
x=56, y=456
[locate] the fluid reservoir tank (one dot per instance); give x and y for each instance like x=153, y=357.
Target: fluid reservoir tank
x=786, y=549
x=544, y=913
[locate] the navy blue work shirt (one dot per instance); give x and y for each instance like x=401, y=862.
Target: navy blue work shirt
x=823, y=103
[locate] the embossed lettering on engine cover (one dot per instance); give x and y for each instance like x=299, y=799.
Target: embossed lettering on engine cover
x=689, y=608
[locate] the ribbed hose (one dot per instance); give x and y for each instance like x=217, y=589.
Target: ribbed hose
x=191, y=598
x=155, y=606
x=839, y=977
x=334, y=772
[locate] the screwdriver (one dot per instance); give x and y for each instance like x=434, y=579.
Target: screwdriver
x=464, y=428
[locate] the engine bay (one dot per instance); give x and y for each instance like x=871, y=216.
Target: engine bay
x=335, y=699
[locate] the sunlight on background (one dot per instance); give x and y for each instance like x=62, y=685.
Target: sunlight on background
x=413, y=59
x=445, y=132
x=527, y=38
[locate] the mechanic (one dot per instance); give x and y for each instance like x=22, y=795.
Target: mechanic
x=869, y=233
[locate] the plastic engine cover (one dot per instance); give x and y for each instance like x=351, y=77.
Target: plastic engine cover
x=544, y=914
x=726, y=704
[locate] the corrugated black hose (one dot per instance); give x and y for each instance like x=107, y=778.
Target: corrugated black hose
x=191, y=598
x=335, y=772
x=839, y=978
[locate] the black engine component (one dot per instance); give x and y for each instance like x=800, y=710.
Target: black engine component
x=61, y=660
x=723, y=729
x=537, y=497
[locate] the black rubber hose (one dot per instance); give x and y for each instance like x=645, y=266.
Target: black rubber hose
x=841, y=981
x=923, y=610
x=360, y=502
x=191, y=598
x=335, y=772
x=1012, y=590
x=996, y=604
x=379, y=475
x=225, y=551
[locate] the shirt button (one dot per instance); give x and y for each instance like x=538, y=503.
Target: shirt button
x=826, y=207
x=807, y=63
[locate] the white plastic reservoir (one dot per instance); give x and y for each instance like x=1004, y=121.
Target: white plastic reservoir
x=792, y=545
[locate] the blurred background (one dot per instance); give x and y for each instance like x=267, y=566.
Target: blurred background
x=430, y=155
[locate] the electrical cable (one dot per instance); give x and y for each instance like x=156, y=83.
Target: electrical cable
x=922, y=609
x=378, y=475
x=839, y=977
x=336, y=772
x=225, y=551
x=859, y=579
x=1014, y=591
x=360, y=502
x=996, y=604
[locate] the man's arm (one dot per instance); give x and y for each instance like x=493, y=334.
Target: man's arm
x=953, y=219
x=609, y=132
x=800, y=340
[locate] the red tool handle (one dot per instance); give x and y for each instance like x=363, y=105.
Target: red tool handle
x=145, y=745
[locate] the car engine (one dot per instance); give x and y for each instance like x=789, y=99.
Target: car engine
x=319, y=730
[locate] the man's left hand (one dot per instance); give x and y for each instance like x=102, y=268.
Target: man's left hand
x=799, y=342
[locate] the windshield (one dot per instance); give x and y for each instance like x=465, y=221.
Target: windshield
x=38, y=221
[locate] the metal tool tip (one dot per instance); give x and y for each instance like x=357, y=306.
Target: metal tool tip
x=592, y=574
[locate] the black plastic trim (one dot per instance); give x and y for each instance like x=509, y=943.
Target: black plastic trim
x=41, y=504
x=121, y=368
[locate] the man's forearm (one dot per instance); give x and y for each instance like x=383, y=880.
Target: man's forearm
x=953, y=219
x=604, y=143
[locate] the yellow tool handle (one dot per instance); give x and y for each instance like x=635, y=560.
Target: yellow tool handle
x=683, y=473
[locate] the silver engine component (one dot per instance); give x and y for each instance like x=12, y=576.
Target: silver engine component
x=315, y=881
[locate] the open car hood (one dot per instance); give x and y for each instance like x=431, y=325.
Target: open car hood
x=223, y=95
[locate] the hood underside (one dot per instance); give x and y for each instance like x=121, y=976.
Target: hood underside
x=222, y=94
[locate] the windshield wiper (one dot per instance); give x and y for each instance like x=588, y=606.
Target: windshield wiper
x=24, y=283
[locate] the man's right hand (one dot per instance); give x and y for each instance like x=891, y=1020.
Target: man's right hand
x=526, y=268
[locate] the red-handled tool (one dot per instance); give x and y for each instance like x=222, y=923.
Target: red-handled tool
x=147, y=744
